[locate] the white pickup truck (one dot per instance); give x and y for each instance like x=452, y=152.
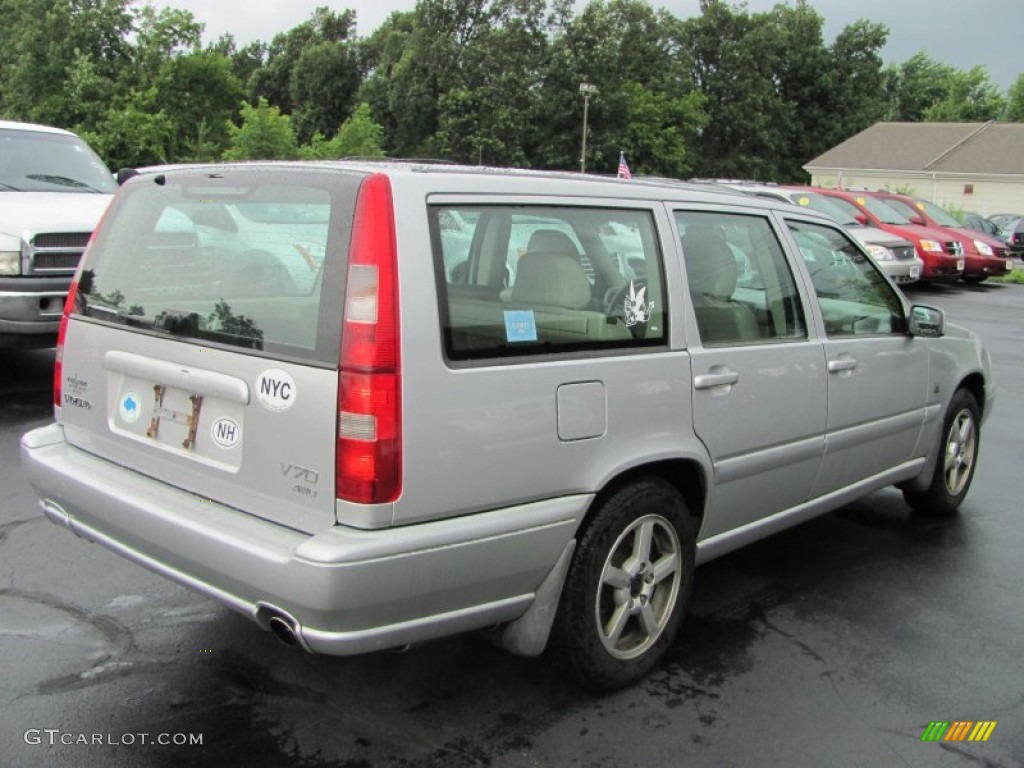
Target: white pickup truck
x=53, y=190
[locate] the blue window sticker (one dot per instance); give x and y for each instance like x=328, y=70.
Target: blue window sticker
x=520, y=325
x=130, y=407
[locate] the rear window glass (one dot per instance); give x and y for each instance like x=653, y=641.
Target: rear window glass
x=239, y=262
x=528, y=280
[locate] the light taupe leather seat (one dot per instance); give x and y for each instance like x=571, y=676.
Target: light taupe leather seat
x=713, y=274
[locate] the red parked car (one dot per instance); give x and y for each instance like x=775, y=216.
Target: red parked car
x=941, y=253
x=984, y=255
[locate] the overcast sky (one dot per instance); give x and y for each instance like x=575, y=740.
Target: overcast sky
x=961, y=33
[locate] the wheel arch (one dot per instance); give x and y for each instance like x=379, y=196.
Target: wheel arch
x=686, y=475
x=975, y=384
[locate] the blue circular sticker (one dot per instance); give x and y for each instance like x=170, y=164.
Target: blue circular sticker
x=131, y=407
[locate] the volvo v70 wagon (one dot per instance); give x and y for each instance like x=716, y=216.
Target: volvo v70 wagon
x=370, y=404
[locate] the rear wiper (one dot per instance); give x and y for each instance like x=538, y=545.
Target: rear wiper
x=61, y=181
x=177, y=322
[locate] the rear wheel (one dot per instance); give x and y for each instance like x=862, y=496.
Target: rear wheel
x=628, y=585
x=958, y=456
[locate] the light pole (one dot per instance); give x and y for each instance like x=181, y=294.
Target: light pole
x=587, y=89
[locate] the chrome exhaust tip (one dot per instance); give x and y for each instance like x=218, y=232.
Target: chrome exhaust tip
x=283, y=630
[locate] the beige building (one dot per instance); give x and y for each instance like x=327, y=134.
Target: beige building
x=959, y=166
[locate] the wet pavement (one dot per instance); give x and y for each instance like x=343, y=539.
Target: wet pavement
x=834, y=643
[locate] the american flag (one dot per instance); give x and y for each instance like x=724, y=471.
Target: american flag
x=624, y=167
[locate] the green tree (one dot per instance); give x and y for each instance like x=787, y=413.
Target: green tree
x=487, y=114
x=970, y=96
x=733, y=61
x=358, y=136
x=200, y=94
x=775, y=95
x=133, y=134
x=915, y=85
x=1015, y=101
x=324, y=81
x=274, y=79
x=45, y=41
x=265, y=134
x=644, y=105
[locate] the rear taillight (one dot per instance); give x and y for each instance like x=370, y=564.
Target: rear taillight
x=369, y=449
x=58, y=364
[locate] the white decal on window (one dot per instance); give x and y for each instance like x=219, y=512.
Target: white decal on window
x=637, y=311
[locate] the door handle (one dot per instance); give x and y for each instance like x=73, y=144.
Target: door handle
x=841, y=364
x=717, y=379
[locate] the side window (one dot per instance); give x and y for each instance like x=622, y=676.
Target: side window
x=528, y=280
x=853, y=295
x=742, y=289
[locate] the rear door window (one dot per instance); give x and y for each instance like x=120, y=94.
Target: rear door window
x=527, y=280
x=741, y=285
x=239, y=262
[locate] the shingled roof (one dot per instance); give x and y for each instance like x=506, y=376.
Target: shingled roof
x=971, y=148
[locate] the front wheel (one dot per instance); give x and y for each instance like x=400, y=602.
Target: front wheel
x=627, y=586
x=957, y=459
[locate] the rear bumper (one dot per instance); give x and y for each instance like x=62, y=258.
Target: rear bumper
x=344, y=591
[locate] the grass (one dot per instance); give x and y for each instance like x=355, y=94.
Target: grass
x=1017, y=276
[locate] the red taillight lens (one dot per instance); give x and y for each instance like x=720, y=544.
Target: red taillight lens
x=58, y=365
x=369, y=450
x=369, y=437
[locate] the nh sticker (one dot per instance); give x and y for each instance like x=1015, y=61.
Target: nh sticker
x=130, y=407
x=226, y=433
x=275, y=390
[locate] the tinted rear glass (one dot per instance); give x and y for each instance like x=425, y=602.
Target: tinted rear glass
x=235, y=258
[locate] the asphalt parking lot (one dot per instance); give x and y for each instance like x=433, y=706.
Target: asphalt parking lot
x=834, y=643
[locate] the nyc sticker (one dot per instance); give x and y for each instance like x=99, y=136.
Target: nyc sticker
x=520, y=325
x=275, y=390
x=130, y=407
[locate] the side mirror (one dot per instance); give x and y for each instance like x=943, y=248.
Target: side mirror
x=862, y=219
x=124, y=174
x=928, y=322
x=919, y=220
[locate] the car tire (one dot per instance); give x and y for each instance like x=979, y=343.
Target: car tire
x=627, y=586
x=956, y=462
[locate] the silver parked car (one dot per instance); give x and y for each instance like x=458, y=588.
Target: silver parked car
x=370, y=404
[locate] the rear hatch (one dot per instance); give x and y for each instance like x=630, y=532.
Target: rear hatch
x=203, y=345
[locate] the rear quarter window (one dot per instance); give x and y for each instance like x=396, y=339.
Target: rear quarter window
x=517, y=281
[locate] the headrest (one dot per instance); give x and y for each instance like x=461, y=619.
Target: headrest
x=549, y=273
x=710, y=264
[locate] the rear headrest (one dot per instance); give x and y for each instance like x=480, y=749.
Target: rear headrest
x=710, y=265
x=549, y=273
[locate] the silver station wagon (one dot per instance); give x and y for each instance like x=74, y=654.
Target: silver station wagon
x=371, y=404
